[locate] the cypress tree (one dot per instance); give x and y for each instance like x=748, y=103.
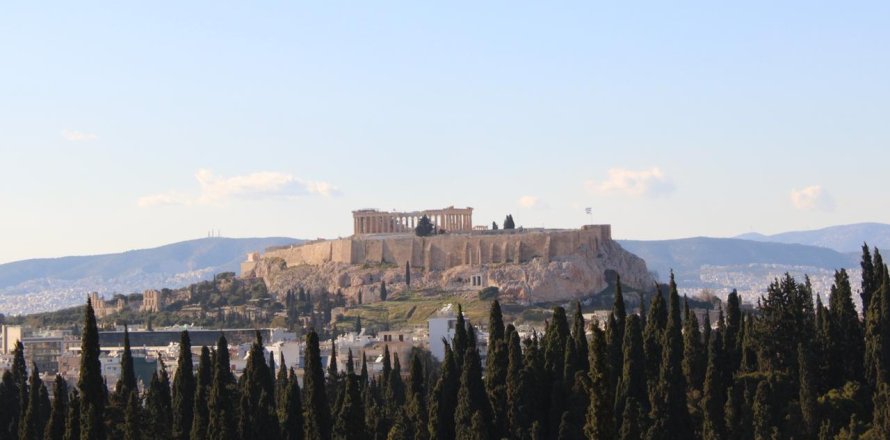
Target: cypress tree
x=869, y=283
x=158, y=405
x=631, y=427
x=31, y=427
x=712, y=398
x=9, y=401
x=291, y=412
x=200, y=412
x=317, y=418
x=632, y=385
x=55, y=428
x=222, y=415
x=669, y=413
x=460, y=342
x=400, y=429
x=579, y=339
x=496, y=368
x=127, y=381
x=350, y=422
x=383, y=293
x=763, y=412
x=385, y=368
x=20, y=376
x=847, y=331
x=807, y=390
x=554, y=345
x=514, y=385
x=694, y=354
x=92, y=387
x=731, y=342
x=408, y=273
x=471, y=396
x=615, y=336
x=132, y=418
x=417, y=410
x=652, y=336
x=395, y=391
x=257, y=392
x=600, y=421
x=875, y=369
x=880, y=423
x=183, y=390
x=72, y=423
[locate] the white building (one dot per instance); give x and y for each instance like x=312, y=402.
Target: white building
x=441, y=325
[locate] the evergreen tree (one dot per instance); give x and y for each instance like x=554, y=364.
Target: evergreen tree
x=350, y=422
x=508, y=222
x=669, y=413
x=32, y=424
x=408, y=273
x=259, y=417
x=9, y=401
x=712, y=398
x=496, y=369
x=460, y=342
x=92, y=387
x=395, y=386
x=424, y=227
x=400, y=429
x=132, y=418
x=158, y=405
x=847, y=331
x=127, y=381
x=869, y=282
x=731, y=341
x=290, y=413
x=222, y=414
x=631, y=427
x=763, y=412
x=615, y=335
x=652, y=336
x=383, y=293
x=880, y=424
x=807, y=390
x=183, y=390
x=471, y=397
x=694, y=354
x=494, y=226
x=20, y=376
x=317, y=417
x=201, y=414
x=72, y=423
x=632, y=385
x=55, y=428
x=417, y=409
x=600, y=420
x=579, y=340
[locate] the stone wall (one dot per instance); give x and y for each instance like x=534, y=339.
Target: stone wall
x=446, y=251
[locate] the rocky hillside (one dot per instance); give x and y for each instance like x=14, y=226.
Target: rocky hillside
x=565, y=278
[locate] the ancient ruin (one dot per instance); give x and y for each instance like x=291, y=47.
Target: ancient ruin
x=372, y=221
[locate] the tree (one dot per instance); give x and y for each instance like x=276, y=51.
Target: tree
x=55, y=429
x=382, y=290
x=731, y=340
x=763, y=412
x=158, y=405
x=615, y=335
x=471, y=398
x=694, y=355
x=72, y=423
x=424, y=227
x=655, y=324
x=408, y=273
x=133, y=418
x=91, y=385
x=632, y=385
x=712, y=402
x=496, y=368
x=350, y=422
x=669, y=413
x=444, y=399
x=494, y=226
x=9, y=401
x=291, y=412
x=846, y=332
x=880, y=424
x=222, y=415
x=258, y=419
x=869, y=283
x=600, y=420
x=807, y=390
x=317, y=412
x=358, y=325
x=508, y=222
x=32, y=424
x=183, y=390
x=200, y=413
x=416, y=410
x=127, y=381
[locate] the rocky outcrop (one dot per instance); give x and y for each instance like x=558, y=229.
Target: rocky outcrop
x=538, y=280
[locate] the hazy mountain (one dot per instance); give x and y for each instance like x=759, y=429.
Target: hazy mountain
x=724, y=264
x=843, y=238
x=52, y=283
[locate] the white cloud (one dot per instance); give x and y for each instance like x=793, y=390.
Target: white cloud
x=650, y=182
x=812, y=198
x=78, y=136
x=531, y=202
x=217, y=190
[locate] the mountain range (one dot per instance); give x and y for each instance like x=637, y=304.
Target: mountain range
x=747, y=263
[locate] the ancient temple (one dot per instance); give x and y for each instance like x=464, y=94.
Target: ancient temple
x=372, y=221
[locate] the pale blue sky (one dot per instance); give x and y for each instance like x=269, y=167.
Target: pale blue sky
x=669, y=120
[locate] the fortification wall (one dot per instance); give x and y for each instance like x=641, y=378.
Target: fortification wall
x=446, y=251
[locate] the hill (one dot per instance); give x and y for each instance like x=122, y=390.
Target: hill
x=723, y=264
x=841, y=238
x=52, y=283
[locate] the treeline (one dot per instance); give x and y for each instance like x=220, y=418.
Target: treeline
x=794, y=368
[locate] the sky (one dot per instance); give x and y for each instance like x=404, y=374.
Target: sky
x=126, y=126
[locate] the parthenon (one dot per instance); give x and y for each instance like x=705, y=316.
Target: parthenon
x=373, y=221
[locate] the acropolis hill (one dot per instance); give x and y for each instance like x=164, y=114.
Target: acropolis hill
x=529, y=265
